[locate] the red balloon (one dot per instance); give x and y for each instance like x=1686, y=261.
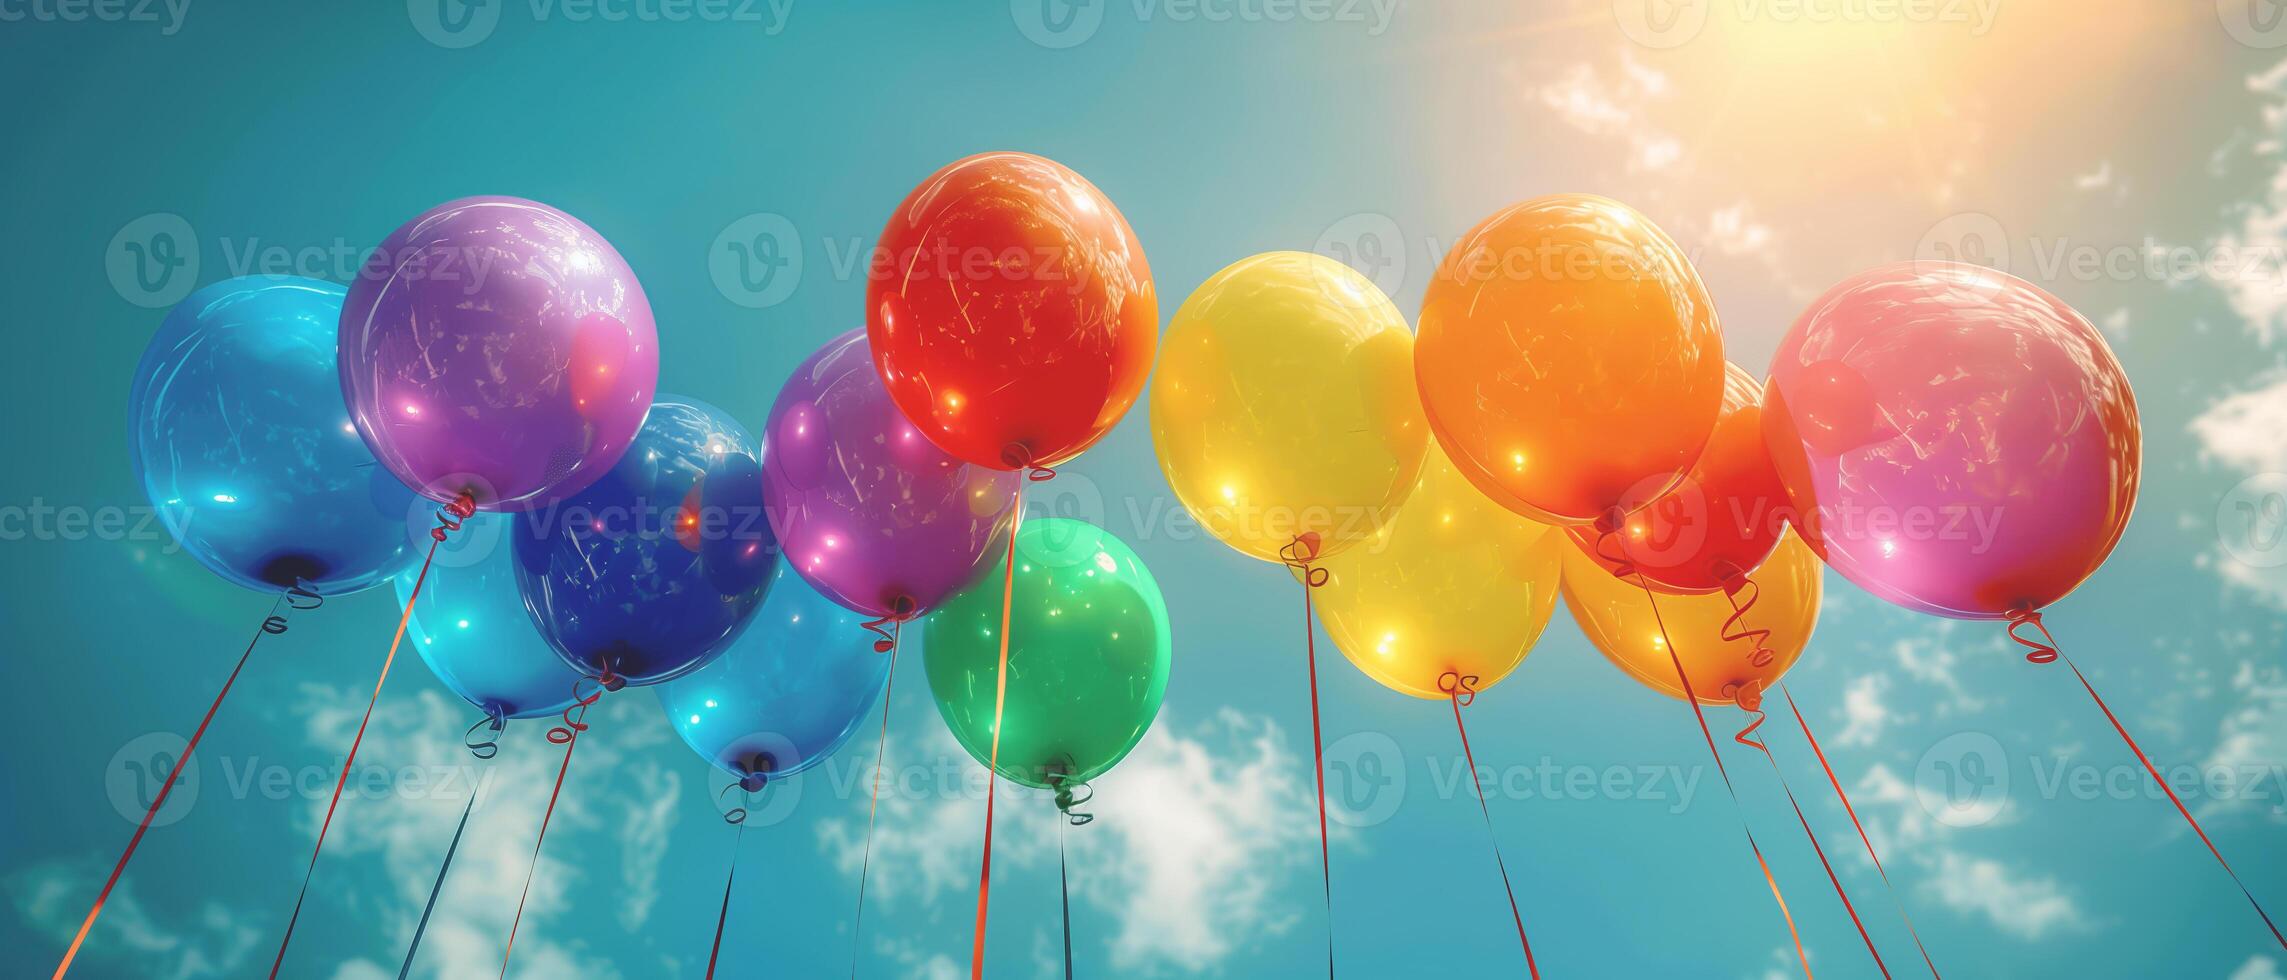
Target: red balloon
x=1723, y=520
x=1010, y=311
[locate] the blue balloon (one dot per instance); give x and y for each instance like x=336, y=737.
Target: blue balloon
x=245, y=447
x=788, y=693
x=655, y=567
x=472, y=629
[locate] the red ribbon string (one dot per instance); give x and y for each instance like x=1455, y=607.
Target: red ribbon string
x=1735, y=628
x=1862, y=838
x=2045, y=651
x=1750, y=699
x=1462, y=691
x=724, y=915
x=273, y=624
x=1607, y=533
x=1299, y=554
x=873, y=799
x=1000, y=702
x=568, y=736
x=448, y=520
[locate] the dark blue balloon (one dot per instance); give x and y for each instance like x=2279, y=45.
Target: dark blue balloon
x=472, y=629
x=654, y=568
x=789, y=691
x=243, y=443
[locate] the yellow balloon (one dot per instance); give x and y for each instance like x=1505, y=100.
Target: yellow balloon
x=1619, y=620
x=1455, y=584
x=1285, y=405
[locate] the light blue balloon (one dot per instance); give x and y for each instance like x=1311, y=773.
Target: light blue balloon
x=244, y=445
x=788, y=692
x=472, y=629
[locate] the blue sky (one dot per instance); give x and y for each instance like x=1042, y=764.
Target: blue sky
x=2132, y=163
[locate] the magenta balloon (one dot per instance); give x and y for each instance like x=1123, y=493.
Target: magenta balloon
x=497, y=346
x=1953, y=439
x=867, y=510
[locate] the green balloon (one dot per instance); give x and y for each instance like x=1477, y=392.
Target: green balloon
x=1088, y=655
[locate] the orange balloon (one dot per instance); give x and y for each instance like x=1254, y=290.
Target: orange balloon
x=1620, y=620
x=1716, y=527
x=1569, y=358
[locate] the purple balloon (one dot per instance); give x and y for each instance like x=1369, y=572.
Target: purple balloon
x=498, y=347
x=867, y=510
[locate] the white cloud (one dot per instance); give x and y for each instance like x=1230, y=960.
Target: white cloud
x=1194, y=832
x=2261, y=230
x=2242, y=430
x=1933, y=664
x=1862, y=710
x=52, y=898
x=1611, y=105
x=2251, y=740
x=2257, y=968
x=2030, y=908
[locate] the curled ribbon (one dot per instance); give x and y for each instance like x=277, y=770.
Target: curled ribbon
x=1608, y=533
x=901, y=609
x=300, y=598
x=488, y=745
x=449, y=519
x=1072, y=793
x=585, y=693
x=2043, y=650
x=737, y=814
x=1018, y=456
x=1301, y=553
x=1462, y=688
x=1749, y=697
x=1735, y=628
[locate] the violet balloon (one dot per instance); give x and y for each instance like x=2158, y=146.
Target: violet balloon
x=1953, y=439
x=498, y=347
x=869, y=512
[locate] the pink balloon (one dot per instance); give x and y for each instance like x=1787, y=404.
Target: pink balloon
x=1953, y=439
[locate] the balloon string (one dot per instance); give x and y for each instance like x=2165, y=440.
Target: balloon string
x=2046, y=651
x=487, y=744
x=873, y=799
x=568, y=736
x=436, y=889
x=1750, y=699
x=272, y=625
x=1607, y=533
x=1299, y=554
x=449, y=519
x=1462, y=691
x=1862, y=838
x=724, y=914
x=1735, y=628
x=1064, y=896
x=1000, y=703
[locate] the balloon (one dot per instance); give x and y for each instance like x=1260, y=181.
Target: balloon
x=654, y=568
x=1569, y=358
x=1285, y=405
x=472, y=629
x=1088, y=656
x=1717, y=526
x=1011, y=311
x=245, y=450
x=871, y=513
x=1619, y=620
x=1455, y=585
x=1953, y=439
x=787, y=693
x=497, y=347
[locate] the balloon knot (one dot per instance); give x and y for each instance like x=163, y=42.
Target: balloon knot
x=2041, y=651
x=1749, y=698
x=1071, y=793
x=1018, y=456
x=1609, y=547
x=1462, y=688
x=487, y=744
x=1301, y=553
x=449, y=517
x=736, y=813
